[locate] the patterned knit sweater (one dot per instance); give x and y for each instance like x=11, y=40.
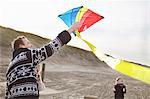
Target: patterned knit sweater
x=21, y=74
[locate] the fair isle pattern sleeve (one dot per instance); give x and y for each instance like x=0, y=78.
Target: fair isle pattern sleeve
x=38, y=55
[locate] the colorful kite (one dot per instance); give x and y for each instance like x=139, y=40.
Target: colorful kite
x=84, y=16
x=87, y=18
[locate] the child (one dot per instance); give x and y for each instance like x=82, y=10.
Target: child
x=119, y=88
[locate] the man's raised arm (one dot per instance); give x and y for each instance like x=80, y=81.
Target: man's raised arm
x=40, y=54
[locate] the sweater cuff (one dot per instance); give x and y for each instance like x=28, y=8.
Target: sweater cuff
x=64, y=37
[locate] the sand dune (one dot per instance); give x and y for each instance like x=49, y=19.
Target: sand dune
x=72, y=73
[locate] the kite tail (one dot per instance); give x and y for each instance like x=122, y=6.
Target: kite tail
x=131, y=69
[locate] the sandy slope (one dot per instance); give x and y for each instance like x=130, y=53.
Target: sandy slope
x=72, y=73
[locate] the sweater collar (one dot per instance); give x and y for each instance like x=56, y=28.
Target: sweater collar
x=18, y=51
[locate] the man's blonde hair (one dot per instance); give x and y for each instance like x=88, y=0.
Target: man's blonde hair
x=17, y=41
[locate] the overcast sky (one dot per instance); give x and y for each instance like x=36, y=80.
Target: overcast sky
x=123, y=33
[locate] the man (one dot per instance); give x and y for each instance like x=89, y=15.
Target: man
x=22, y=72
